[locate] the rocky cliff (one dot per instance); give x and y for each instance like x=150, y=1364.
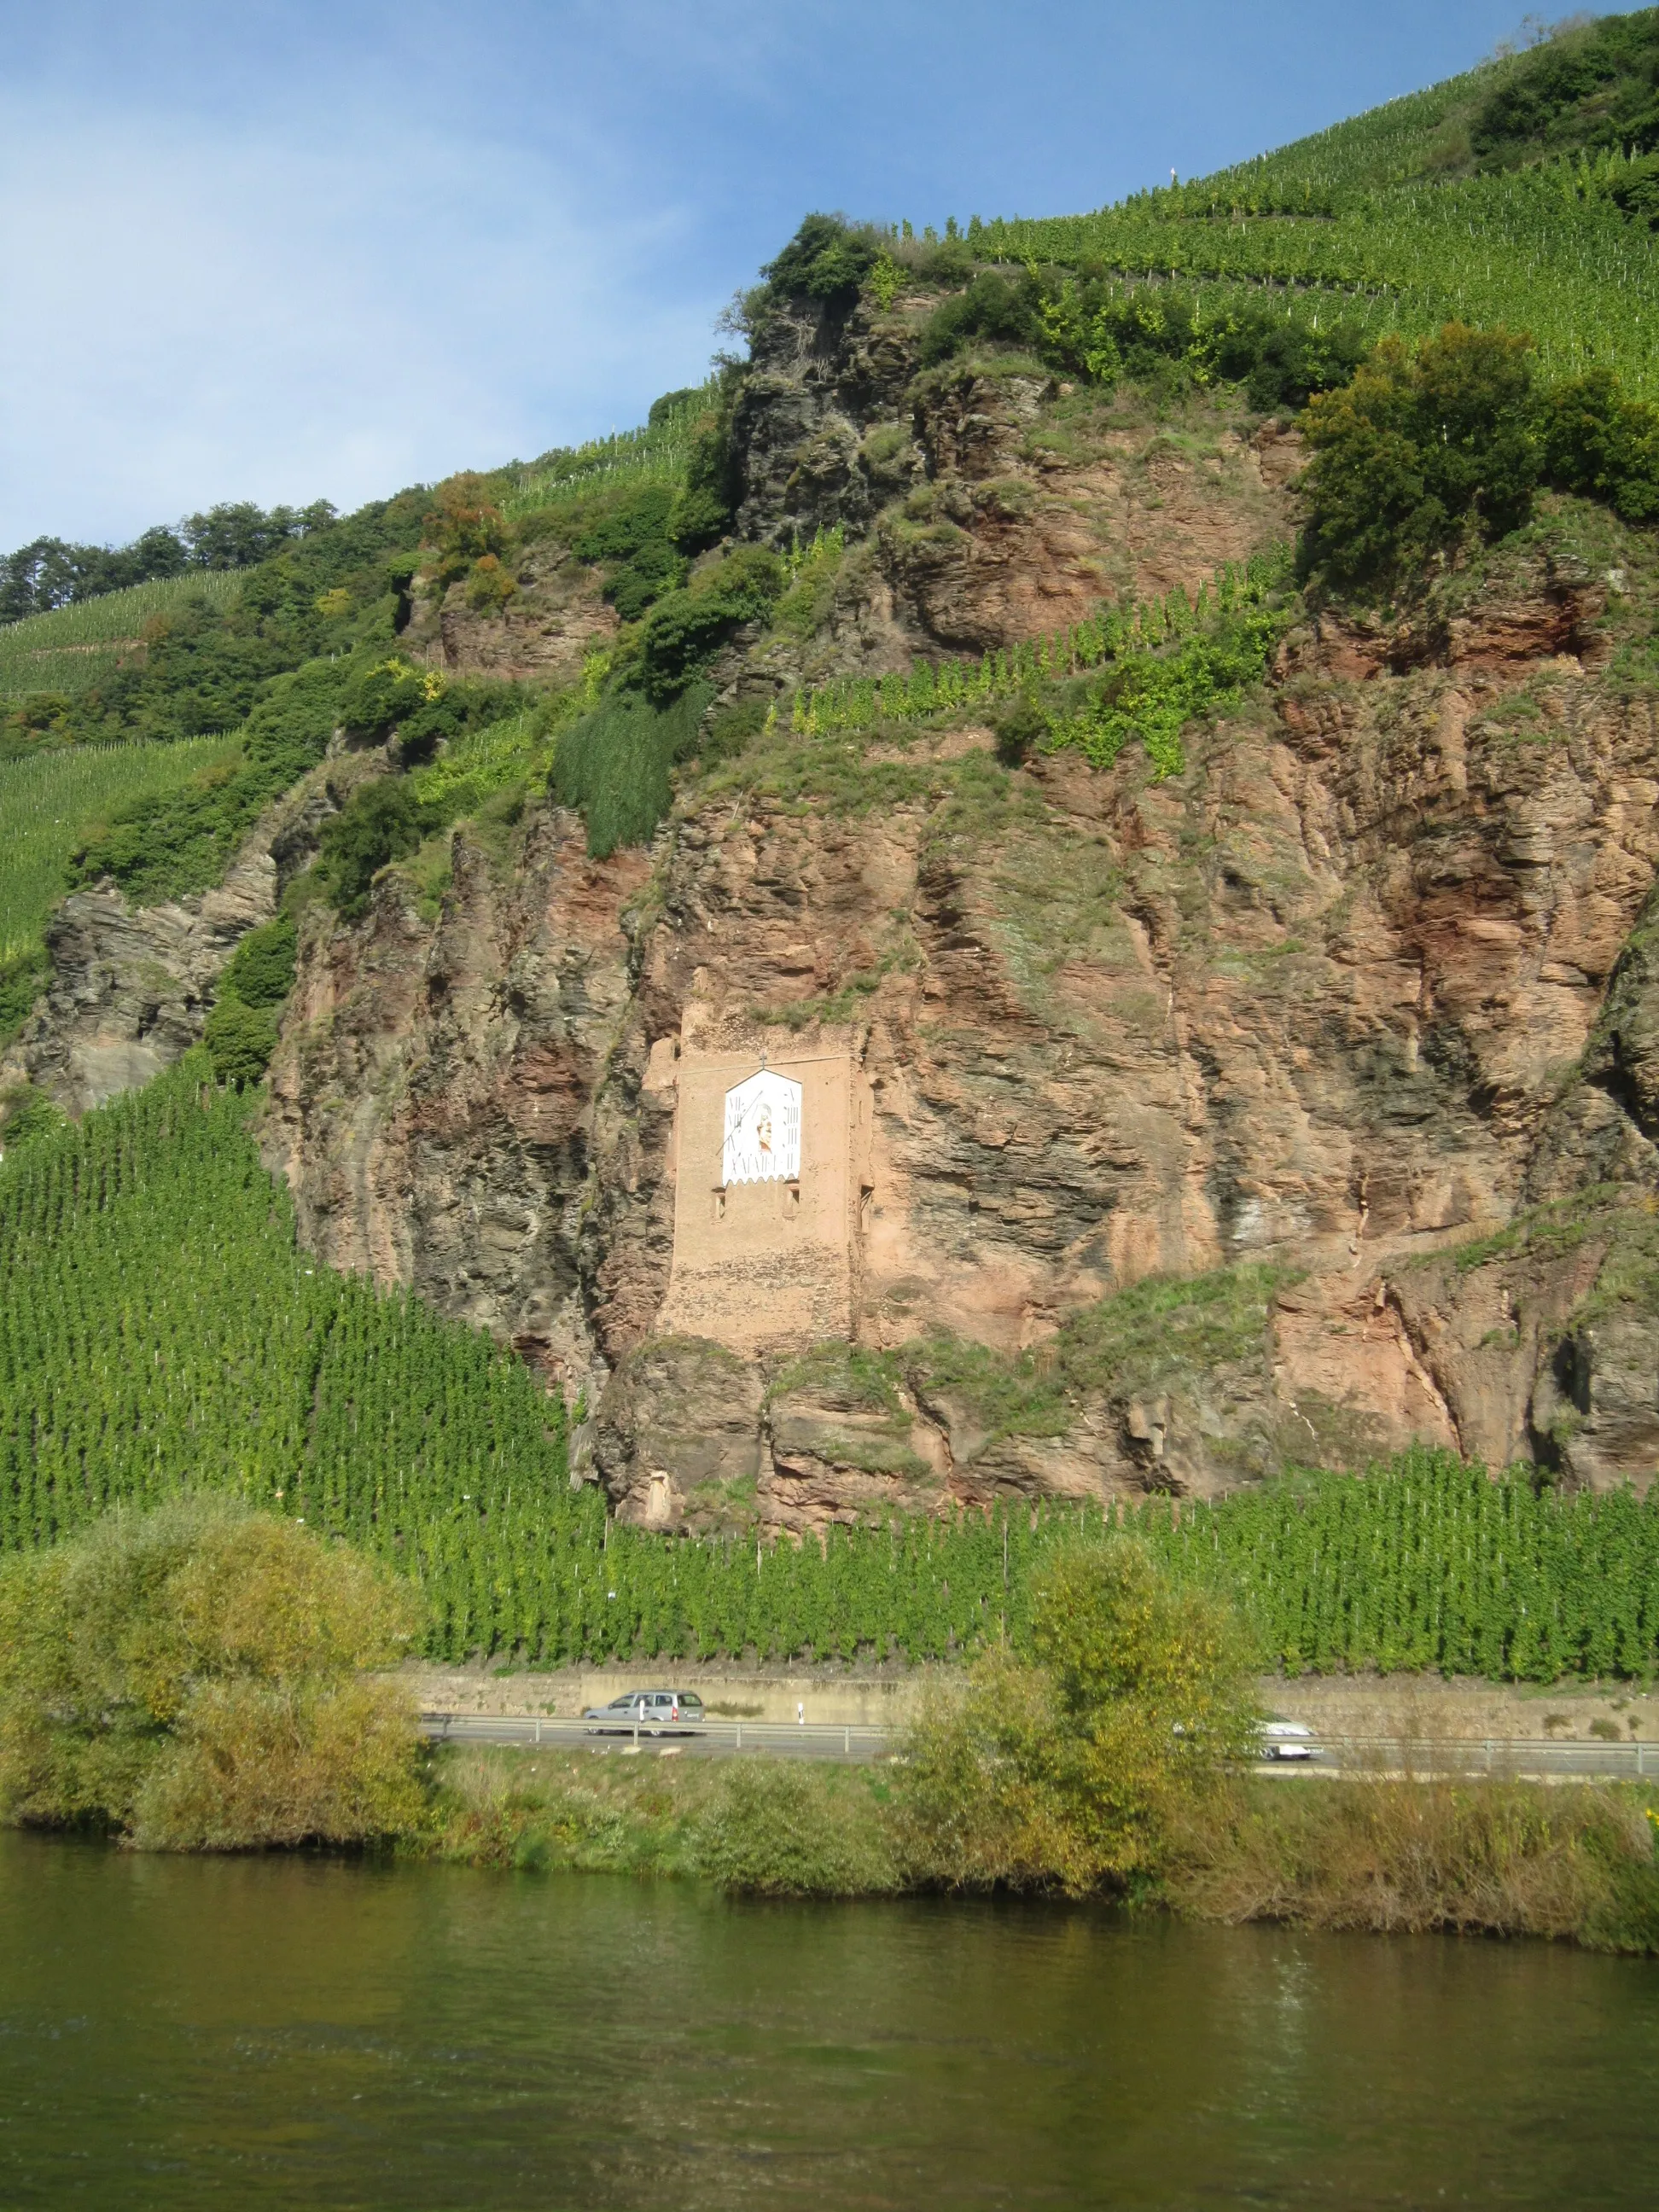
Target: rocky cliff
x=1287, y=1108
x=1282, y=1109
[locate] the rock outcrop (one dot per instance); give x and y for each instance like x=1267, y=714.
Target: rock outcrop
x=131, y=987
x=1369, y=984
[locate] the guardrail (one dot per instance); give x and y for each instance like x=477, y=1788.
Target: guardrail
x=1376, y=1754
x=824, y=1738
x=1495, y=1755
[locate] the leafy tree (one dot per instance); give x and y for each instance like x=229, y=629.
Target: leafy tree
x=1636, y=193
x=463, y=525
x=380, y=697
x=1418, y=447
x=190, y=1677
x=51, y=573
x=826, y=260
x=1078, y=1765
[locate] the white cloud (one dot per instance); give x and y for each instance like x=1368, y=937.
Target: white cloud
x=201, y=311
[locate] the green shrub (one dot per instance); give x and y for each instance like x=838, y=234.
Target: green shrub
x=1418, y=447
x=240, y=1041
x=682, y=632
x=378, y=697
x=191, y=1676
x=1598, y=442
x=990, y=308
x=381, y=822
x=27, y=1115
x=777, y=1829
x=733, y=732
x=630, y=535
x=22, y=978
x=1020, y=727
x=260, y=972
x=825, y=260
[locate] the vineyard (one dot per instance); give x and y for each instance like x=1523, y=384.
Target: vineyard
x=46, y=801
x=71, y=648
x=161, y=1330
x=1221, y=638
x=656, y=453
x=1357, y=214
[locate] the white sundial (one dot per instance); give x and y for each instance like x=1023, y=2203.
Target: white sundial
x=762, y=1130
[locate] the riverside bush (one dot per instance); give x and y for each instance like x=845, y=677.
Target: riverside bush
x=190, y=1677
x=1075, y=1767
x=1406, y=1857
x=765, y=1832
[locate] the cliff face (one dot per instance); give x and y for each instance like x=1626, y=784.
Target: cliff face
x=1356, y=1023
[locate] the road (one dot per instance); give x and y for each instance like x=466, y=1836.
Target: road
x=1552, y=1760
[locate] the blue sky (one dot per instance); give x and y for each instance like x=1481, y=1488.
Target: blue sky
x=281, y=251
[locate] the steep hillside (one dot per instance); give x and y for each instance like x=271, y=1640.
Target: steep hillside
x=1172, y=731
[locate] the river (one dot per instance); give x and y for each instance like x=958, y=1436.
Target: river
x=182, y=2033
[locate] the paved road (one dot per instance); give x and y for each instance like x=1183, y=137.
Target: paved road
x=817, y=1740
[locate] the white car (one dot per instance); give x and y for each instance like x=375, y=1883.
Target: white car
x=1286, y=1740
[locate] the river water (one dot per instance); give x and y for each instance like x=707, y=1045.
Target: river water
x=306, y=2032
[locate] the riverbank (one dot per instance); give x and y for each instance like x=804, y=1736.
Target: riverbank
x=1499, y=1858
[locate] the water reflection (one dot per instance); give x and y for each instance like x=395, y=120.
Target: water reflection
x=182, y=2034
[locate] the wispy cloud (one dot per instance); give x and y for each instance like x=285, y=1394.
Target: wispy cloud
x=305, y=247
x=201, y=315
